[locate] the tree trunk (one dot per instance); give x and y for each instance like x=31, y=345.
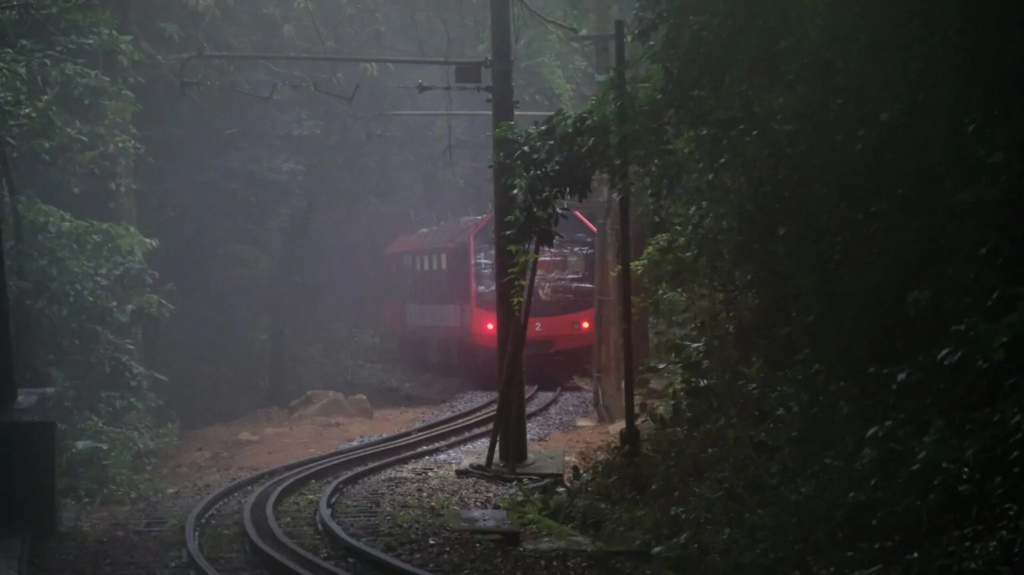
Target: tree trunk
x=278, y=389
x=293, y=256
x=641, y=319
x=8, y=383
x=125, y=203
x=19, y=320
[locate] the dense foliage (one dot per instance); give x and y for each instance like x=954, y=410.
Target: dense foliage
x=79, y=280
x=835, y=282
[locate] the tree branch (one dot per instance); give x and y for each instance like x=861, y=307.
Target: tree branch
x=547, y=19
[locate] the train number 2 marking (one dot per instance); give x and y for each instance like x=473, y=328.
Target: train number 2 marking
x=536, y=326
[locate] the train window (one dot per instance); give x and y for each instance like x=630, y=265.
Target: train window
x=575, y=263
x=417, y=263
x=438, y=281
x=435, y=262
x=442, y=288
x=439, y=294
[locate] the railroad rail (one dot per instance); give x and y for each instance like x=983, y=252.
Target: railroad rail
x=266, y=537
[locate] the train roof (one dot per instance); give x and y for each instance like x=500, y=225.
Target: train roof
x=447, y=234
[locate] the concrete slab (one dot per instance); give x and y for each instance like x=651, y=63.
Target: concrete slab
x=540, y=463
x=484, y=519
x=28, y=443
x=10, y=556
x=486, y=523
x=576, y=543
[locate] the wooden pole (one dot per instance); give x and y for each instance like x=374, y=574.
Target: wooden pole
x=512, y=446
x=607, y=365
x=630, y=438
x=516, y=345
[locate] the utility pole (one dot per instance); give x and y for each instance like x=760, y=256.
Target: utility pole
x=512, y=446
x=630, y=437
x=607, y=364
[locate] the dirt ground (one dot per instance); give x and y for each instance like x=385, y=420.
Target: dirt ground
x=579, y=441
x=269, y=438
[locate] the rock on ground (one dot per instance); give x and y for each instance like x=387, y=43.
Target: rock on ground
x=359, y=406
x=310, y=398
x=336, y=406
x=331, y=404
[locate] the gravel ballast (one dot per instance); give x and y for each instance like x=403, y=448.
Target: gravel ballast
x=560, y=416
x=418, y=499
x=416, y=503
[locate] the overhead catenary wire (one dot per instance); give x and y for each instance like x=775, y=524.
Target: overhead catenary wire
x=423, y=88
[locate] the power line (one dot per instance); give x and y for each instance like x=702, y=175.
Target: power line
x=424, y=88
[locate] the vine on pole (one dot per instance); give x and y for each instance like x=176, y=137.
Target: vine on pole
x=554, y=161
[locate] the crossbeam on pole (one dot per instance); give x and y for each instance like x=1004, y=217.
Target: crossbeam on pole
x=252, y=56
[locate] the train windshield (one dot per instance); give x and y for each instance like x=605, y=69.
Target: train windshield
x=565, y=272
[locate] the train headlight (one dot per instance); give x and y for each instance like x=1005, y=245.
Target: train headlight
x=575, y=325
x=586, y=325
x=490, y=326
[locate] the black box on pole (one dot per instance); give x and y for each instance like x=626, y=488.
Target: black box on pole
x=468, y=74
x=28, y=467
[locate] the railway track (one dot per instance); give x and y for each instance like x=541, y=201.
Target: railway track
x=270, y=536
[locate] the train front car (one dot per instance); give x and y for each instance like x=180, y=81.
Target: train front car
x=560, y=332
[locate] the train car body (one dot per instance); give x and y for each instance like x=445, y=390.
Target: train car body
x=440, y=300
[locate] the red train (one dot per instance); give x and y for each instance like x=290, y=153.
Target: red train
x=440, y=299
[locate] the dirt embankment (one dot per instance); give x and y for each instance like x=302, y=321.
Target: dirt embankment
x=272, y=437
x=269, y=438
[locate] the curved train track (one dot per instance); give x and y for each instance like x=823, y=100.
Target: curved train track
x=265, y=534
